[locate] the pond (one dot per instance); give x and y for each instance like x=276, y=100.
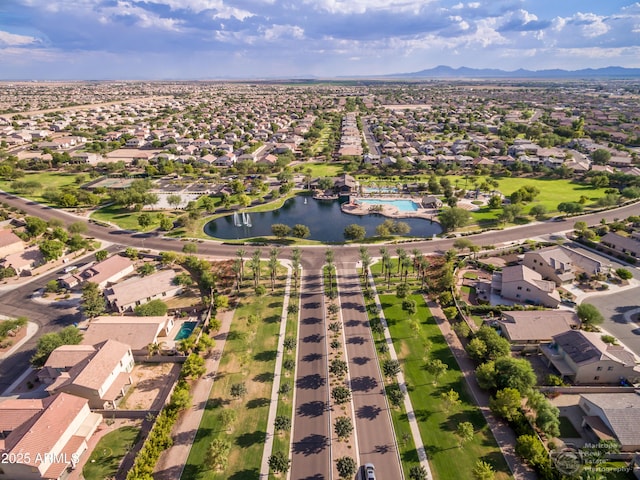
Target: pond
x=325, y=220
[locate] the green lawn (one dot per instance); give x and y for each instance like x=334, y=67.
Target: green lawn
x=106, y=457
x=437, y=425
x=567, y=430
x=249, y=356
x=127, y=219
x=552, y=192
x=45, y=179
x=281, y=441
x=467, y=289
x=322, y=169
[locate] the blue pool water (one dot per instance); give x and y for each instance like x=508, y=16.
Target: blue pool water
x=185, y=330
x=401, y=205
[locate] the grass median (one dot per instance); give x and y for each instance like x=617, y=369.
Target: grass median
x=248, y=358
x=437, y=422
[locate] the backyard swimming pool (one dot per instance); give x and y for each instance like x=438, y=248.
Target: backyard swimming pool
x=185, y=330
x=401, y=205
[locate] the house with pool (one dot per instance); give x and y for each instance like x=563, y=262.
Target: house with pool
x=127, y=295
x=139, y=332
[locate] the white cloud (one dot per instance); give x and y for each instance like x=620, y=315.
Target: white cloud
x=592, y=25
x=14, y=40
x=276, y=32
x=362, y=6
x=143, y=18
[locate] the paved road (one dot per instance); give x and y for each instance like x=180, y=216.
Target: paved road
x=17, y=303
x=614, y=305
x=49, y=318
x=373, y=421
x=342, y=253
x=311, y=434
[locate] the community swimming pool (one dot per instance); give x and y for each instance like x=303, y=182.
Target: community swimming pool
x=380, y=190
x=401, y=205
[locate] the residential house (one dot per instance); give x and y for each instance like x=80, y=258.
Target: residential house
x=86, y=157
x=533, y=327
x=619, y=244
x=100, y=373
x=561, y=264
x=103, y=273
x=136, y=291
x=526, y=286
x=227, y=160
x=23, y=263
x=54, y=431
x=584, y=358
x=10, y=243
x=612, y=416
x=137, y=332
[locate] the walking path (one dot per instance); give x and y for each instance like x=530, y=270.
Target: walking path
x=504, y=435
x=173, y=460
x=408, y=407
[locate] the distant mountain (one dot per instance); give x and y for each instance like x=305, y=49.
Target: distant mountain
x=443, y=71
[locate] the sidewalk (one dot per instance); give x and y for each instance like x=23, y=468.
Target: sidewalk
x=173, y=460
x=504, y=435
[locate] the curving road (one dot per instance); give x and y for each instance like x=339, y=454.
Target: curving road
x=347, y=253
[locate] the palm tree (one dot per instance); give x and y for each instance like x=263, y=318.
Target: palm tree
x=416, y=255
x=405, y=268
x=385, y=255
x=328, y=255
x=423, y=267
x=241, y=253
x=296, y=255
x=152, y=349
x=273, y=266
x=365, y=258
x=186, y=345
x=255, y=267
x=402, y=254
x=236, y=268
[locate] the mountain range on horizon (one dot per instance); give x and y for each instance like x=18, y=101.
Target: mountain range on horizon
x=443, y=71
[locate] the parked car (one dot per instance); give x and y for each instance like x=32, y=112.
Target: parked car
x=369, y=472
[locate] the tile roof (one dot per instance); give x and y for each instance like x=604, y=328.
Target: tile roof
x=537, y=324
x=45, y=430
x=7, y=237
x=137, y=332
x=621, y=413
x=137, y=288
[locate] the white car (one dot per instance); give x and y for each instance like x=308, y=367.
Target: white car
x=369, y=472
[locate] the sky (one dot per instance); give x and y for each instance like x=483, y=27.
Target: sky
x=231, y=39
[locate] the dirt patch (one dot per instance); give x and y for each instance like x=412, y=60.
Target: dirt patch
x=12, y=339
x=149, y=381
